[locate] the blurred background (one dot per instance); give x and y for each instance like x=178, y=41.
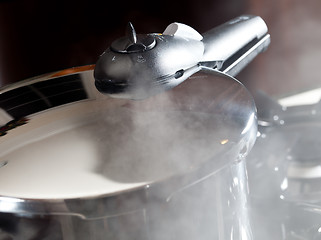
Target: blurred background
x=38, y=36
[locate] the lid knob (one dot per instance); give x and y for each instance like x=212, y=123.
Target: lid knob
x=133, y=43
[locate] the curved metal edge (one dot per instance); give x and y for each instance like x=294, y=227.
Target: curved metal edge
x=47, y=76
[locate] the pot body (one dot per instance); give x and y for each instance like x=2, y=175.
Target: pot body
x=213, y=208
x=79, y=165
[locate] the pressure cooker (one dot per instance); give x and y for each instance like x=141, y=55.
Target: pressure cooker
x=149, y=143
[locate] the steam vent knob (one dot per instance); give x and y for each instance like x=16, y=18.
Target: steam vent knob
x=133, y=43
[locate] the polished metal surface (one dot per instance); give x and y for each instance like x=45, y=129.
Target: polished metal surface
x=73, y=158
x=137, y=67
x=284, y=170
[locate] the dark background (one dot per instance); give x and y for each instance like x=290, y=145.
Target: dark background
x=39, y=36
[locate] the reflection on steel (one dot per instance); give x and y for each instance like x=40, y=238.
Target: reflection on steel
x=11, y=125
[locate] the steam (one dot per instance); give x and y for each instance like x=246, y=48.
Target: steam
x=149, y=146
x=185, y=151
x=167, y=167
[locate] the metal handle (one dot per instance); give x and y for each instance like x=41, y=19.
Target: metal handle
x=232, y=45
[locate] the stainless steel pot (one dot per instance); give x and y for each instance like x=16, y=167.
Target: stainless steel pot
x=76, y=164
x=285, y=168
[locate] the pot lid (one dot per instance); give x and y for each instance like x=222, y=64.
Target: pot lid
x=62, y=139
